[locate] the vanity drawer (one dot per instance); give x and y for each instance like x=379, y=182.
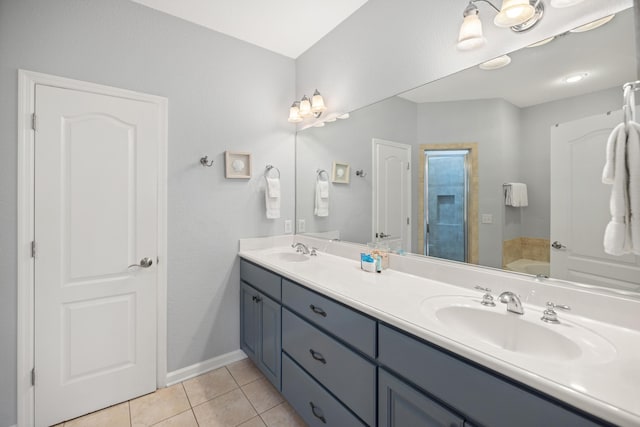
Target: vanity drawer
x=481, y=397
x=261, y=279
x=317, y=407
x=350, y=326
x=350, y=377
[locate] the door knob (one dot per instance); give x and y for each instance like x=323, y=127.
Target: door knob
x=558, y=245
x=145, y=262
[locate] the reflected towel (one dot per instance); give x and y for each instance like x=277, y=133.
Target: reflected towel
x=272, y=198
x=322, y=199
x=515, y=194
x=617, y=235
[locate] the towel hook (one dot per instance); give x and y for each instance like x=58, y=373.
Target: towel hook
x=319, y=173
x=268, y=169
x=361, y=173
x=204, y=161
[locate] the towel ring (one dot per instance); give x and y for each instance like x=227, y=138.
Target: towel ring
x=319, y=173
x=268, y=169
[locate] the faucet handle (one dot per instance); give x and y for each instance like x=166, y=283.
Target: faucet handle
x=550, y=315
x=487, y=298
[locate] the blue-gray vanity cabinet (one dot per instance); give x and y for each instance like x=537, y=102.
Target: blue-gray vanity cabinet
x=314, y=404
x=400, y=405
x=346, y=324
x=481, y=397
x=350, y=377
x=261, y=319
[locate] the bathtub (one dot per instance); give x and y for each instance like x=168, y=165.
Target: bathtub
x=529, y=266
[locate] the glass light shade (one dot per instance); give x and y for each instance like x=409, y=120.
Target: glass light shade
x=305, y=107
x=294, y=113
x=496, y=63
x=565, y=3
x=514, y=12
x=470, y=36
x=317, y=103
x=542, y=42
x=592, y=25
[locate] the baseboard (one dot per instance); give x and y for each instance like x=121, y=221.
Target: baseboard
x=200, y=368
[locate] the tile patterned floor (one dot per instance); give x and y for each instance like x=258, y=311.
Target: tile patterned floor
x=237, y=395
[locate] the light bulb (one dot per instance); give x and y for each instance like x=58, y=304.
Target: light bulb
x=294, y=113
x=305, y=107
x=317, y=103
x=470, y=36
x=514, y=12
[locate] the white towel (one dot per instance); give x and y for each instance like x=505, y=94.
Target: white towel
x=515, y=195
x=621, y=162
x=272, y=198
x=322, y=199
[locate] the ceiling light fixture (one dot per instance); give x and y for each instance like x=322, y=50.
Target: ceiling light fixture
x=306, y=108
x=496, y=63
x=542, y=42
x=575, y=78
x=592, y=25
x=519, y=15
x=564, y=3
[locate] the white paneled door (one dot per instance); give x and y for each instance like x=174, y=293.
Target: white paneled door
x=580, y=206
x=392, y=193
x=96, y=204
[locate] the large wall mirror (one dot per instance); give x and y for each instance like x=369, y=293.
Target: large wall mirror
x=439, y=170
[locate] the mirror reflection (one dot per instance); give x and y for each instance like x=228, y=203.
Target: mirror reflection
x=488, y=166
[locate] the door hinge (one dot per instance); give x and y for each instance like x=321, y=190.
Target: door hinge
x=33, y=249
x=34, y=122
x=33, y=376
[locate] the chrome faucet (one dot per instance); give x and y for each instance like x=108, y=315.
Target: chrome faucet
x=514, y=305
x=301, y=248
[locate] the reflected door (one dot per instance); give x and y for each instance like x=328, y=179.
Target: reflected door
x=95, y=214
x=392, y=194
x=580, y=206
x=445, y=203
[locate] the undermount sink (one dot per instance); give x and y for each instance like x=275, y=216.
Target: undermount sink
x=466, y=319
x=289, y=256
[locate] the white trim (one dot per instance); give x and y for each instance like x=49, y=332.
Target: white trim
x=27, y=81
x=200, y=368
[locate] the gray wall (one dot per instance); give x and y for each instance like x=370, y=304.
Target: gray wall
x=466, y=121
x=348, y=141
x=223, y=94
x=387, y=47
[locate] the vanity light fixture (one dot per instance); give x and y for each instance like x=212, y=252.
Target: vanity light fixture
x=519, y=15
x=592, y=25
x=306, y=107
x=496, y=63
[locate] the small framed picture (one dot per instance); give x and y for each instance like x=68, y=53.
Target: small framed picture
x=237, y=165
x=340, y=173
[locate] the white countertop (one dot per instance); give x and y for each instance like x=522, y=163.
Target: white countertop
x=607, y=386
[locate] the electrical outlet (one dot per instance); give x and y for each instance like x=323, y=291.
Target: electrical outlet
x=287, y=226
x=302, y=227
x=487, y=218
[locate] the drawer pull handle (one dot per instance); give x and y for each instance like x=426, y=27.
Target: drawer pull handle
x=315, y=413
x=317, y=356
x=318, y=310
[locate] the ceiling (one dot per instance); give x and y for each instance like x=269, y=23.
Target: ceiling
x=536, y=75
x=288, y=27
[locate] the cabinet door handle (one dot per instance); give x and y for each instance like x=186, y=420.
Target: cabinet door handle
x=318, y=310
x=314, y=411
x=256, y=298
x=317, y=356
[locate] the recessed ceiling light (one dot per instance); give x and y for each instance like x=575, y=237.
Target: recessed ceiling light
x=593, y=25
x=575, y=78
x=542, y=42
x=495, y=63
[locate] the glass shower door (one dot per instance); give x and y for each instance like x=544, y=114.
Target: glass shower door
x=446, y=194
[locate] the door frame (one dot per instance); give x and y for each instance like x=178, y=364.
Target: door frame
x=472, y=210
x=27, y=81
